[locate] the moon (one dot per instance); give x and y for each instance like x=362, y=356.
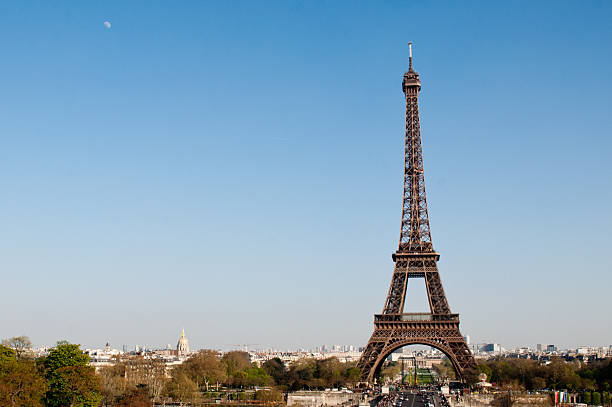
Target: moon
x=107, y=24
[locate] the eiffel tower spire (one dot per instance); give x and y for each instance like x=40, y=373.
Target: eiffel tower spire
x=415, y=258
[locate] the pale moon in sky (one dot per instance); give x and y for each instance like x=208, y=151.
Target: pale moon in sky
x=107, y=24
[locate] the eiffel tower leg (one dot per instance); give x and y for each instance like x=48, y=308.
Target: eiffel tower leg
x=435, y=292
x=397, y=293
x=462, y=355
x=367, y=362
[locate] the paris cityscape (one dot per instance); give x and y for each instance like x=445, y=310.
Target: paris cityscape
x=202, y=204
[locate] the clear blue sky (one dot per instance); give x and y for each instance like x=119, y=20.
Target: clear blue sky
x=235, y=168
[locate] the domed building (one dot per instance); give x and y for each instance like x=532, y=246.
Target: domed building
x=183, y=344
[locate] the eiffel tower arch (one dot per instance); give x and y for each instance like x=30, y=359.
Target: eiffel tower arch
x=415, y=258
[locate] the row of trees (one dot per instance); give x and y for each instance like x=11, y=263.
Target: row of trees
x=201, y=376
x=558, y=374
x=596, y=398
x=206, y=372
x=206, y=375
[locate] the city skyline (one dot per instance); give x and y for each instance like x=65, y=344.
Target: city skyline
x=480, y=349
x=236, y=170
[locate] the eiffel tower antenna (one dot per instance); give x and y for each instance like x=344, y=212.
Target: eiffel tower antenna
x=415, y=258
x=410, y=58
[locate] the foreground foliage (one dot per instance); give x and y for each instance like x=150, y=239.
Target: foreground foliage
x=558, y=374
x=63, y=378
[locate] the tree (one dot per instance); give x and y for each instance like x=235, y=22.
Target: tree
x=471, y=375
x=330, y=370
x=255, y=376
x=70, y=379
x=64, y=355
x=562, y=375
x=586, y=397
x=446, y=370
x=21, y=384
x=596, y=398
x=146, y=372
x=320, y=374
x=235, y=361
x=7, y=355
x=181, y=388
x=20, y=344
x=276, y=369
x=138, y=397
x=75, y=386
x=302, y=374
x=128, y=377
x=113, y=381
x=538, y=383
x=391, y=370
x=204, y=368
x=353, y=375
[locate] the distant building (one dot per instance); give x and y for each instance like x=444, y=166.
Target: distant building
x=467, y=339
x=551, y=348
x=491, y=347
x=183, y=344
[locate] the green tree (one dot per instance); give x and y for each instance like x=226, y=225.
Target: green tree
x=586, y=397
x=301, y=374
x=353, y=375
x=596, y=398
x=7, y=355
x=390, y=370
x=471, y=375
x=276, y=369
x=64, y=355
x=181, y=388
x=446, y=370
x=255, y=376
x=605, y=397
x=70, y=379
x=235, y=361
x=21, y=384
x=205, y=368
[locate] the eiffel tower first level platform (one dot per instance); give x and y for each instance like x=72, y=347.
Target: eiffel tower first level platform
x=415, y=258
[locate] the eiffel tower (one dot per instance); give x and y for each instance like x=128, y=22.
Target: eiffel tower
x=415, y=258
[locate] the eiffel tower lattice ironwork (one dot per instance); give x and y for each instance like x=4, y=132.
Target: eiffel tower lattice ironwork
x=415, y=258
